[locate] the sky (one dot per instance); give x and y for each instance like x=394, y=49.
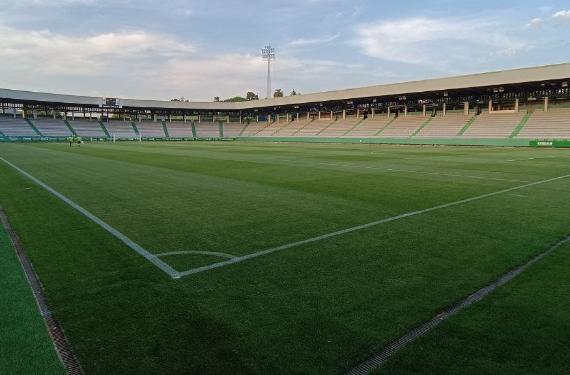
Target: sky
x=200, y=49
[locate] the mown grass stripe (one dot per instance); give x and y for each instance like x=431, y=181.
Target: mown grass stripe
x=360, y=227
x=393, y=347
x=126, y=240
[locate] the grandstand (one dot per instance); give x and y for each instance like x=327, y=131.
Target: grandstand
x=149, y=129
x=88, y=128
x=508, y=107
x=51, y=127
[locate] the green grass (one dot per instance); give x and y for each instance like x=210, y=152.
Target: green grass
x=312, y=309
x=25, y=347
x=523, y=328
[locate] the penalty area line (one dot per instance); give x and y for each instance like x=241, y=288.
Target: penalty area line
x=272, y=250
x=120, y=236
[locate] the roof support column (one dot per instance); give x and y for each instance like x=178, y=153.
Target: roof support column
x=287, y=116
x=516, y=104
x=344, y=114
x=154, y=117
x=199, y=118
x=331, y=115
x=546, y=104
x=444, y=109
x=424, y=110
x=373, y=113
x=466, y=108
x=35, y=114
x=319, y=115
x=184, y=117
x=405, y=110
x=308, y=116
x=228, y=119
x=357, y=113
x=388, y=111
x=490, y=105
x=53, y=114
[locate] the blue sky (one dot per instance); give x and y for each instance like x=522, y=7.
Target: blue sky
x=201, y=49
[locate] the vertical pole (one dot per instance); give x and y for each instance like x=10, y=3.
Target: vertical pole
x=466, y=108
x=444, y=109
x=405, y=110
x=308, y=116
x=546, y=104
x=388, y=111
x=228, y=119
x=319, y=115
x=269, y=76
x=516, y=104
x=331, y=115
x=490, y=105
x=199, y=118
x=357, y=113
x=297, y=116
x=424, y=110
x=373, y=112
x=344, y=114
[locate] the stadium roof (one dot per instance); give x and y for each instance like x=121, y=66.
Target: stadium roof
x=472, y=81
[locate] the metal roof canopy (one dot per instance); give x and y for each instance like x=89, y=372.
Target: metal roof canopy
x=480, y=83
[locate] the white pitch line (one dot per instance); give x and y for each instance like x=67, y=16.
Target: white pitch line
x=360, y=227
x=126, y=240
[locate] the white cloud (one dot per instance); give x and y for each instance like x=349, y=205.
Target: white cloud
x=44, y=52
x=441, y=43
x=534, y=23
x=563, y=15
x=145, y=65
x=305, y=42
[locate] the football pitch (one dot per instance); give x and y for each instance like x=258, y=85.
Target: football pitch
x=276, y=258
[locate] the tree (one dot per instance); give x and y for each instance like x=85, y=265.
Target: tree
x=278, y=93
x=235, y=99
x=293, y=93
x=216, y=98
x=251, y=96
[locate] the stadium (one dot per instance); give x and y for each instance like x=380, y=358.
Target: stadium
x=506, y=108
x=414, y=227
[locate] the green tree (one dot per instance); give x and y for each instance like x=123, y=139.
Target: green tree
x=251, y=96
x=278, y=93
x=235, y=99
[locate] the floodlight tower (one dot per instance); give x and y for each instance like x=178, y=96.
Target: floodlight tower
x=268, y=54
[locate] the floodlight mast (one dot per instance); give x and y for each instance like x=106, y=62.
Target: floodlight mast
x=268, y=54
